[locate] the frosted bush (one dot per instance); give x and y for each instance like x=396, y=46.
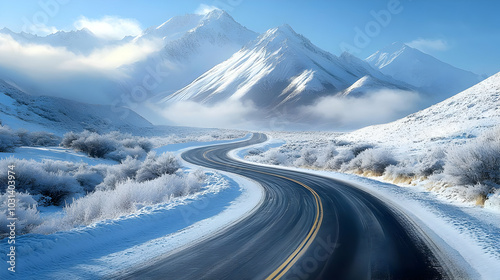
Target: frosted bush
x=372, y=160
x=477, y=162
x=400, y=170
x=8, y=139
x=341, y=159
x=358, y=149
x=276, y=157
x=38, y=138
x=33, y=178
x=325, y=155
x=128, y=196
x=468, y=193
x=155, y=166
x=114, y=145
x=119, y=173
x=26, y=212
x=308, y=157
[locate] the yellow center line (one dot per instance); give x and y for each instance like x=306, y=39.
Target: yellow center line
x=304, y=245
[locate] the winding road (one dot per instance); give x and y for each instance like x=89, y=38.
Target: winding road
x=307, y=227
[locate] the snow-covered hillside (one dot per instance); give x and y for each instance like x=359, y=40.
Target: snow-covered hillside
x=440, y=80
x=279, y=68
x=19, y=110
x=464, y=115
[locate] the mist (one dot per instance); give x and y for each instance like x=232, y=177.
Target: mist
x=348, y=113
x=55, y=71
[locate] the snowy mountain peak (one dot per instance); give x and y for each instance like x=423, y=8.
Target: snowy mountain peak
x=217, y=14
x=282, y=32
x=432, y=76
x=385, y=56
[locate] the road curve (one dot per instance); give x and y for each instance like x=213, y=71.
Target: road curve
x=308, y=227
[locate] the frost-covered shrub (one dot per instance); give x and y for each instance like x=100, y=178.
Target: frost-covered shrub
x=130, y=195
x=26, y=213
x=38, y=138
x=9, y=140
x=341, y=159
x=114, y=145
x=308, y=157
x=399, y=172
x=33, y=178
x=372, y=160
x=254, y=152
x=325, y=155
x=470, y=193
x=477, y=162
x=420, y=166
x=358, y=149
x=276, y=157
x=155, y=166
x=115, y=174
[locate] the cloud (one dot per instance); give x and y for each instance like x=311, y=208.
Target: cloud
x=373, y=108
x=429, y=45
x=227, y=114
x=204, y=9
x=56, y=71
x=110, y=27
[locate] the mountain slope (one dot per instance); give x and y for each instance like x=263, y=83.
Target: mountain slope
x=279, y=68
x=19, y=110
x=161, y=59
x=192, y=44
x=440, y=80
x=466, y=114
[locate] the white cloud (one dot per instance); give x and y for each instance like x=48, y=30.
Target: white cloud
x=429, y=45
x=227, y=114
x=110, y=27
x=373, y=108
x=204, y=9
x=59, y=72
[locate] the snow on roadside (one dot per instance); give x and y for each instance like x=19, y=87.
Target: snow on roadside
x=55, y=153
x=470, y=236
x=108, y=247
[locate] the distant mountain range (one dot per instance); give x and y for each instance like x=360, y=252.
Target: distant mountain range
x=211, y=58
x=437, y=79
x=283, y=69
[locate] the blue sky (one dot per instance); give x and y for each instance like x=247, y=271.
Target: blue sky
x=463, y=33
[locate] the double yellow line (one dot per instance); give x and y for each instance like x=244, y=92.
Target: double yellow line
x=311, y=235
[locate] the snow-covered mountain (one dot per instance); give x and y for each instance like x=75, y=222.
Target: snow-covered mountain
x=464, y=115
x=20, y=110
x=81, y=41
x=162, y=59
x=192, y=45
x=440, y=80
x=279, y=68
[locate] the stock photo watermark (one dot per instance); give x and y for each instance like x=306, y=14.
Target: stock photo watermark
x=41, y=18
x=379, y=20
x=11, y=217
x=321, y=252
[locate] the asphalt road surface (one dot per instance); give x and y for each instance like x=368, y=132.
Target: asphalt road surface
x=308, y=227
